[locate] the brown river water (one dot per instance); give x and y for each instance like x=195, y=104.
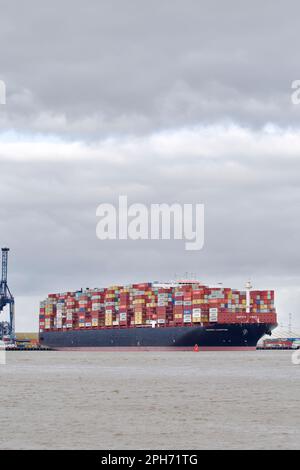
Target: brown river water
x=150, y=400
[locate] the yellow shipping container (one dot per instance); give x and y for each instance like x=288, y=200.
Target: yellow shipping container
x=30, y=336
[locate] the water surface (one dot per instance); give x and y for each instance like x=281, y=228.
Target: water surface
x=150, y=400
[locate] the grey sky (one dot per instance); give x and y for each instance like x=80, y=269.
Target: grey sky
x=165, y=101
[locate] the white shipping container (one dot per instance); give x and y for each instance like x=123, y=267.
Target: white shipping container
x=95, y=307
x=187, y=318
x=213, y=316
x=196, y=311
x=161, y=320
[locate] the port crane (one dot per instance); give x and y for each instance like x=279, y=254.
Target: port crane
x=7, y=328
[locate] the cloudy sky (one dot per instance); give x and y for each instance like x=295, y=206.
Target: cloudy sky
x=163, y=101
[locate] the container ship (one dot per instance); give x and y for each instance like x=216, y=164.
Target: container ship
x=179, y=315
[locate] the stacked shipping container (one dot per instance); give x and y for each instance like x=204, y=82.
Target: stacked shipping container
x=149, y=304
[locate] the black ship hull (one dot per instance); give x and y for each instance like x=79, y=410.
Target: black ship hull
x=214, y=336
